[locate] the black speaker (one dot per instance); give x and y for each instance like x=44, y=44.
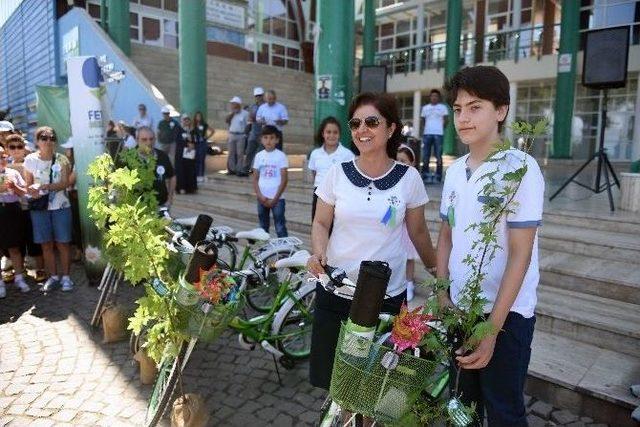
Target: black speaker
x=606, y=54
x=373, y=78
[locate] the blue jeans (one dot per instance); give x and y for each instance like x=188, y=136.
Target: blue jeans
x=201, y=157
x=432, y=142
x=278, y=218
x=499, y=387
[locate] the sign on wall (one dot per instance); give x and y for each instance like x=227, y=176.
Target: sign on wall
x=70, y=47
x=224, y=13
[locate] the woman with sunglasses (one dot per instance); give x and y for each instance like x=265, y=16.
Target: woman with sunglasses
x=368, y=200
x=16, y=147
x=12, y=186
x=47, y=175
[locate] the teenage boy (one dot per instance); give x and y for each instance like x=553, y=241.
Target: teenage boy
x=269, y=181
x=494, y=372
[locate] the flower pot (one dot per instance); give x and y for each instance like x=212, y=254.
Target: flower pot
x=114, y=324
x=186, y=294
x=148, y=368
x=189, y=411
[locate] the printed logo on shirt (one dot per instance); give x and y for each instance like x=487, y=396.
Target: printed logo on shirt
x=389, y=218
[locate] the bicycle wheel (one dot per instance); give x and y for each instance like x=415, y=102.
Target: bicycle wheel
x=330, y=414
x=166, y=382
x=227, y=254
x=261, y=294
x=294, y=322
x=107, y=281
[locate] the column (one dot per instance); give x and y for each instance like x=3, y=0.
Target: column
x=192, y=57
x=481, y=7
x=334, y=62
x=452, y=63
x=565, y=82
x=548, y=25
x=103, y=14
x=417, y=106
x=516, y=23
x=368, y=33
x=635, y=143
x=511, y=115
x=118, y=24
x=419, y=37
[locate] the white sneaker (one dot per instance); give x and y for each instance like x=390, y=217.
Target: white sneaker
x=20, y=283
x=3, y=290
x=50, y=284
x=410, y=289
x=67, y=284
x=6, y=263
x=200, y=179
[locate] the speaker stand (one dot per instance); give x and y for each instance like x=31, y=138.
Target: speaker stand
x=603, y=165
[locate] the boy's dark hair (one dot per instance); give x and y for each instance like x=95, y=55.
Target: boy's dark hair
x=388, y=107
x=269, y=130
x=323, y=124
x=436, y=91
x=485, y=82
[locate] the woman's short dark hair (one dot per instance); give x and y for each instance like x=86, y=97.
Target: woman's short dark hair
x=14, y=137
x=436, y=91
x=323, y=124
x=485, y=82
x=387, y=106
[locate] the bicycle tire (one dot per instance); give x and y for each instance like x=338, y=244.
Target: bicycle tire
x=330, y=414
x=261, y=294
x=105, y=284
x=227, y=257
x=290, y=315
x=165, y=383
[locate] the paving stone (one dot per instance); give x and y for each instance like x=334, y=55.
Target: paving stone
x=535, y=421
x=577, y=424
x=586, y=420
x=5, y=402
x=65, y=415
x=283, y=420
x=563, y=417
x=541, y=409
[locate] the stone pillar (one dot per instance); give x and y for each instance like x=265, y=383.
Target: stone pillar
x=452, y=61
x=192, y=57
x=548, y=24
x=417, y=106
x=368, y=33
x=511, y=115
x=419, y=37
x=335, y=62
x=481, y=6
x=118, y=24
x=565, y=82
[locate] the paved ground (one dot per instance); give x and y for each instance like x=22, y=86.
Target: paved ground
x=54, y=370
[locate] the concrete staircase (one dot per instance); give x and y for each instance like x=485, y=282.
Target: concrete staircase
x=586, y=349
x=227, y=78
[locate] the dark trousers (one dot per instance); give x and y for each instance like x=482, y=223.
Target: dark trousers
x=432, y=142
x=278, y=218
x=498, y=388
x=201, y=157
x=280, y=141
x=253, y=146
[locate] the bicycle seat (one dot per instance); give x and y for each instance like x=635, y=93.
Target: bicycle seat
x=187, y=222
x=298, y=259
x=255, y=234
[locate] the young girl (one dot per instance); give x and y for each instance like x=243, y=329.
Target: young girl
x=407, y=156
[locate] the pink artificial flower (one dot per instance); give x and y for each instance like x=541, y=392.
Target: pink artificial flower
x=409, y=327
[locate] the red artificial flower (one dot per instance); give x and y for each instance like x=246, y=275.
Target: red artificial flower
x=409, y=327
x=213, y=284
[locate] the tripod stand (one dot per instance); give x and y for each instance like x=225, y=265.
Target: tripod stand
x=603, y=165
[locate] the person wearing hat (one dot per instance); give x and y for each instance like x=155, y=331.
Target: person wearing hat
x=168, y=134
x=255, y=128
x=6, y=129
x=237, y=121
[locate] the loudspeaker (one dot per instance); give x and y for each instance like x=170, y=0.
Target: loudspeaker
x=373, y=78
x=606, y=54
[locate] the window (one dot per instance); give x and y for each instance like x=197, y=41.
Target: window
x=150, y=30
x=170, y=33
x=152, y=3
x=134, y=26
x=610, y=13
x=94, y=10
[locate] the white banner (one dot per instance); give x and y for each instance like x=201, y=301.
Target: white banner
x=220, y=12
x=86, y=91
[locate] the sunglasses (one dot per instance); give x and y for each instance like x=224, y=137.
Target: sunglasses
x=15, y=147
x=47, y=138
x=370, y=122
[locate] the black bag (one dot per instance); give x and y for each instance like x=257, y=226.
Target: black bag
x=42, y=202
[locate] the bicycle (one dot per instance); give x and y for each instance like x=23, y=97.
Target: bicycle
x=332, y=414
x=284, y=332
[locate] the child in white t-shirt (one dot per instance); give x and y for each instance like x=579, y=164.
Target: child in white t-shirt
x=270, y=180
x=407, y=157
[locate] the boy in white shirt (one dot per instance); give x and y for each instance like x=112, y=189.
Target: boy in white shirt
x=434, y=117
x=494, y=372
x=269, y=181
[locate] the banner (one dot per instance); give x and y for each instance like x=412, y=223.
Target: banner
x=53, y=109
x=86, y=96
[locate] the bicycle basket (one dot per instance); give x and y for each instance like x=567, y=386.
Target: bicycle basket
x=373, y=380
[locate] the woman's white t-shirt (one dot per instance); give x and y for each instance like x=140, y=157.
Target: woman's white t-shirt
x=40, y=171
x=320, y=161
x=369, y=216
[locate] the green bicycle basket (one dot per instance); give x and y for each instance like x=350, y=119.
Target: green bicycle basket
x=378, y=383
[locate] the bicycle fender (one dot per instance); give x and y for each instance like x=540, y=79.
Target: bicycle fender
x=288, y=304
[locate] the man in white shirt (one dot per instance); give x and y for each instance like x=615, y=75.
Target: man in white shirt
x=237, y=121
x=434, y=118
x=273, y=113
x=142, y=119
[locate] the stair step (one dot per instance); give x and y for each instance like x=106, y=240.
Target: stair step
x=583, y=378
x=603, y=322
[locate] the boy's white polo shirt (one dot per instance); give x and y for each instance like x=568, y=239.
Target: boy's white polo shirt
x=369, y=216
x=464, y=192
x=320, y=161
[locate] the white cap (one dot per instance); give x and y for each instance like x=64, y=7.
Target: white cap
x=165, y=110
x=6, y=126
x=236, y=100
x=69, y=143
x=258, y=91
x=185, y=116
